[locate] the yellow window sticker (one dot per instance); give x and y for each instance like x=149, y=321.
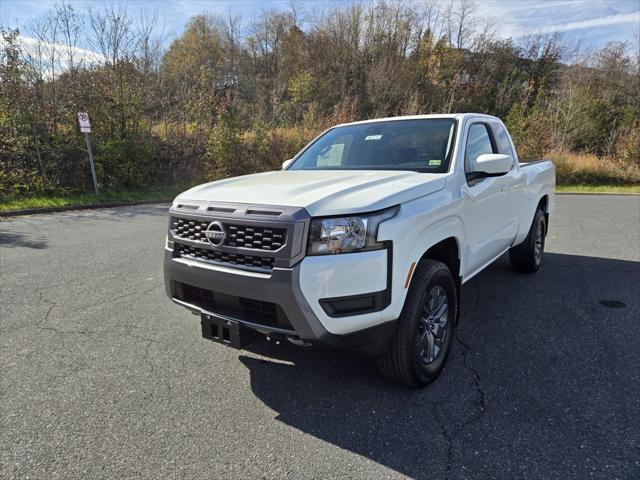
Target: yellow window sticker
x=435, y=163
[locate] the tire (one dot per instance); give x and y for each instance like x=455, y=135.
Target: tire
x=527, y=257
x=413, y=360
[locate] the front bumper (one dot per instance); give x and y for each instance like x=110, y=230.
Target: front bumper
x=281, y=286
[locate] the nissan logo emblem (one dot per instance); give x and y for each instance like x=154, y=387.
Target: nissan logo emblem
x=215, y=234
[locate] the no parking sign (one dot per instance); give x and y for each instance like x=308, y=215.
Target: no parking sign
x=85, y=127
x=83, y=121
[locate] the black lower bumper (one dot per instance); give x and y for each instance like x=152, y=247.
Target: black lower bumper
x=280, y=286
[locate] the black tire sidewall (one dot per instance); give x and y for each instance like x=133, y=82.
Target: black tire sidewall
x=523, y=256
x=540, y=222
x=443, y=278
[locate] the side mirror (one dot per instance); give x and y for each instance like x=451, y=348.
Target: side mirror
x=286, y=163
x=492, y=164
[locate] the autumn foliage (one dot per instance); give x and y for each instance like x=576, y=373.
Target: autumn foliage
x=231, y=96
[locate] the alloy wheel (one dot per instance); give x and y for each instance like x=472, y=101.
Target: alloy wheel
x=432, y=326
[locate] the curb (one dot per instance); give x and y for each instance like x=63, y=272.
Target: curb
x=95, y=206
x=616, y=194
x=91, y=206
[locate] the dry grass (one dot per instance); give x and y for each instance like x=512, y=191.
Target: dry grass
x=159, y=193
x=587, y=169
x=604, y=189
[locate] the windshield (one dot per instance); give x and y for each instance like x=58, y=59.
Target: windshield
x=420, y=145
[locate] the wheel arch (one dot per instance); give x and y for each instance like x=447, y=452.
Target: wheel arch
x=442, y=240
x=446, y=251
x=543, y=204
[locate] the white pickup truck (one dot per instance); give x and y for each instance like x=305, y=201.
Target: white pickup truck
x=363, y=241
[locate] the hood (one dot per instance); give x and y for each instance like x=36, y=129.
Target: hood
x=321, y=192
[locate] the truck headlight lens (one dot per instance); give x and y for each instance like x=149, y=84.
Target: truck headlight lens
x=355, y=233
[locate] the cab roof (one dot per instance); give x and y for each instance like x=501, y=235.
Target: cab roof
x=457, y=116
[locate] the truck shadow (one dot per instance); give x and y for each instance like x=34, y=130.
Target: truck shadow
x=525, y=351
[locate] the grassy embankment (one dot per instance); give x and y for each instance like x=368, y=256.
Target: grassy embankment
x=598, y=189
x=575, y=173
x=583, y=173
x=157, y=193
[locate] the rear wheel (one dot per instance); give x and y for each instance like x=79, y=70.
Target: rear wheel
x=527, y=257
x=426, y=328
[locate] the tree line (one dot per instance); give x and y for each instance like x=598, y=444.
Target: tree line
x=231, y=96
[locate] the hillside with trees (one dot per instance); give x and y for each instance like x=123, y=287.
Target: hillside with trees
x=231, y=96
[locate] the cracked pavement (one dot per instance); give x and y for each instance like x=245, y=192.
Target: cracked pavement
x=103, y=377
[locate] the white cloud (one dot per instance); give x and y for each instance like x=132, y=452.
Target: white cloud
x=34, y=48
x=80, y=54
x=600, y=21
x=633, y=17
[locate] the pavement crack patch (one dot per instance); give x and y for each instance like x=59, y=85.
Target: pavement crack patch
x=447, y=438
x=145, y=357
x=50, y=306
x=70, y=332
x=41, y=321
x=117, y=298
x=132, y=294
x=477, y=415
x=186, y=351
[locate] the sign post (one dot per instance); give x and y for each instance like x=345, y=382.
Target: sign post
x=85, y=127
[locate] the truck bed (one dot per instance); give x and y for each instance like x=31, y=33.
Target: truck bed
x=532, y=162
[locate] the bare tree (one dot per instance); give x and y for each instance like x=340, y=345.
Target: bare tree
x=71, y=24
x=459, y=21
x=112, y=34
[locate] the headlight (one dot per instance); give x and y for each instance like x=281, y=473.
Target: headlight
x=355, y=233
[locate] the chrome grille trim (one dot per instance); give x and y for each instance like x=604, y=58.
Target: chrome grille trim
x=254, y=237
x=259, y=237
x=223, y=258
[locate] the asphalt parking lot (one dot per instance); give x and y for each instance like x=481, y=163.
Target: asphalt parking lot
x=103, y=377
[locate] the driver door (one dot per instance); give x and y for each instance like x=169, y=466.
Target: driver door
x=489, y=226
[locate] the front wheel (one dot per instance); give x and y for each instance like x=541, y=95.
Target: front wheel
x=426, y=327
x=527, y=257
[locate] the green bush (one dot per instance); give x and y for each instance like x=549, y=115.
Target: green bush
x=530, y=132
x=124, y=163
x=223, y=157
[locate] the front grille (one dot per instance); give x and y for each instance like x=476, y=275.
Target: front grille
x=214, y=256
x=190, y=229
x=262, y=238
x=246, y=236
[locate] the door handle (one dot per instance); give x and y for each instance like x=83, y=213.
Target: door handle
x=504, y=188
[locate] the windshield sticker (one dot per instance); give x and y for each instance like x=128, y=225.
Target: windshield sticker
x=373, y=137
x=435, y=163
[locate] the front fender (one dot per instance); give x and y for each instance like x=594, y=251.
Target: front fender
x=449, y=227
x=411, y=242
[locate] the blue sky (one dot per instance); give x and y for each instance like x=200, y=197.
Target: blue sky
x=592, y=22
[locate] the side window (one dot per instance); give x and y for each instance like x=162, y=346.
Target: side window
x=478, y=143
x=502, y=139
x=333, y=155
